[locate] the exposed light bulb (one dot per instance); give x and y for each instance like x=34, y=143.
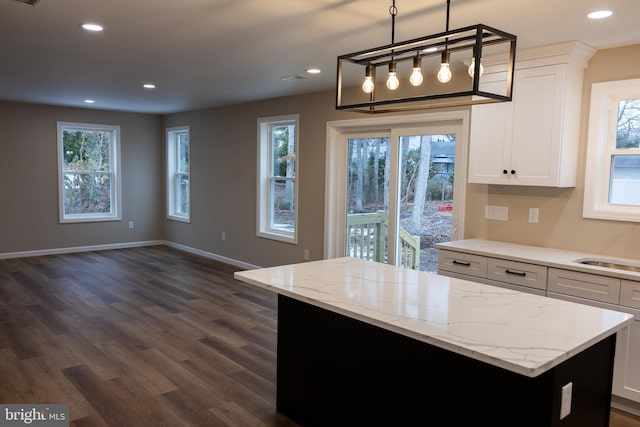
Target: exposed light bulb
x=416, y=78
x=392, y=81
x=368, y=85
x=444, y=75
x=472, y=67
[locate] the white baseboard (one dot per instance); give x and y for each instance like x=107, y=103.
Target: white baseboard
x=625, y=405
x=69, y=250
x=210, y=255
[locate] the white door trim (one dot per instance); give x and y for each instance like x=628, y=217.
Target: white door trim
x=336, y=168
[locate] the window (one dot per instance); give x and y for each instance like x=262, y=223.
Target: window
x=277, y=187
x=178, y=175
x=88, y=172
x=612, y=180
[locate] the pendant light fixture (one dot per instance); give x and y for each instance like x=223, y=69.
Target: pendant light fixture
x=444, y=74
x=416, y=78
x=431, y=84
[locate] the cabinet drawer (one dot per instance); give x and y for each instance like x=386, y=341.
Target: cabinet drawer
x=630, y=294
x=517, y=273
x=584, y=285
x=471, y=265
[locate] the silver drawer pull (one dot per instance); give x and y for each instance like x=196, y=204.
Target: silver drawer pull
x=465, y=264
x=516, y=273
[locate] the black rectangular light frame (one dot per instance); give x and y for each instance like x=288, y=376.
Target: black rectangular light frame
x=472, y=38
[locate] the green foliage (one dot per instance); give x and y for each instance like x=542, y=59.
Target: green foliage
x=280, y=137
x=87, y=166
x=440, y=188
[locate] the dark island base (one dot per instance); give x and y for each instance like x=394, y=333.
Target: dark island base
x=334, y=370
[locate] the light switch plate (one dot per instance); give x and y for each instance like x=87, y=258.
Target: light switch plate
x=565, y=403
x=498, y=213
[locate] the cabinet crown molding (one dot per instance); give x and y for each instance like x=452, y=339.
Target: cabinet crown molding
x=572, y=52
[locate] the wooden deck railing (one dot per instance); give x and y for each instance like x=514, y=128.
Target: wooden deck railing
x=366, y=233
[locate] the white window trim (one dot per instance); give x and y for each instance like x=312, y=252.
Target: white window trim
x=172, y=154
x=602, y=130
x=116, y=188
x=263, y=173
x=336, y=167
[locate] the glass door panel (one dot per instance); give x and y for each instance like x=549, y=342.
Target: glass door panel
x=426, y=178
x=367, y=222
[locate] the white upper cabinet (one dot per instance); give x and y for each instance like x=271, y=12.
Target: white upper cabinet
x=532, y=140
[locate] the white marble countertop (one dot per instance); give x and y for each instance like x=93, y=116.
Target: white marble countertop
x=549, y=257
x=523, y=333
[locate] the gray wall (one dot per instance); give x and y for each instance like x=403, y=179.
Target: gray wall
x=224, y=150
x=223, y=177
x=29, y=179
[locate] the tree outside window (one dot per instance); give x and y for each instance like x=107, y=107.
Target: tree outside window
x=612, y=179
x=178, y=174
x=88, y=175
x=277, y=193
x=625, y=165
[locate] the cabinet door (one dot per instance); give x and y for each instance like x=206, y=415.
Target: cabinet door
x=584, y=285
x=537, y=125
x=521, y=142
x=490, y=145
x=462, y=263
x=517, y=273
x=626, y=372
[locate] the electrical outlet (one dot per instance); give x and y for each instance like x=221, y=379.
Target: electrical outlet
x=534, y=215
x=565, y=402
x=306, y=254
x=223, y=236
x=130, y=225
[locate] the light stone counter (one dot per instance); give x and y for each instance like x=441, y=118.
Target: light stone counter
x=557, y=258
x=520, y=332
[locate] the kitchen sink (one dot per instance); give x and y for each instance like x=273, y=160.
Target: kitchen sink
x=615, y=265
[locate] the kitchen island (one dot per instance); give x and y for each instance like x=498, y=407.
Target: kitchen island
x=373, y=344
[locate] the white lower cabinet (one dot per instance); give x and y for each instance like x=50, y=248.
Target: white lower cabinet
x=584, y=285
x=584, y=288
x=518, y=276
x=626, y=373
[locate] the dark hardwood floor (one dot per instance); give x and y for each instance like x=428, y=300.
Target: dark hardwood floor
x=142, y=337
x=138, y=337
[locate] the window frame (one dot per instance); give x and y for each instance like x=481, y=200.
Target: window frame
x=265, y=166
x=601, y=147
x=173, y=159
x=114, y=161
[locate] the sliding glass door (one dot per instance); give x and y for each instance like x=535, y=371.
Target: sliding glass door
x=399, y=194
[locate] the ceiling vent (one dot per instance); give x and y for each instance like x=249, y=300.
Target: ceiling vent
x=294, y=77
x=31, y=2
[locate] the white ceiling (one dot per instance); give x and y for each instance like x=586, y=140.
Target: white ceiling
x=203, y=53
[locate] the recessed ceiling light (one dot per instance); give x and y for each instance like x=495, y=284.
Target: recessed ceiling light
x=93, y=27
x=149, y=86
x=314, y=70
x=89, y=101
x=600, y=14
